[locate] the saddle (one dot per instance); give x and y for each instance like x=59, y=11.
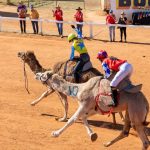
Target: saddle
x=71, y=64
x=104, y=97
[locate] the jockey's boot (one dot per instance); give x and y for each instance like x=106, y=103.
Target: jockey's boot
x=114, y=96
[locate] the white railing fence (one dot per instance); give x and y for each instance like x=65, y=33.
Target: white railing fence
x=48, y=27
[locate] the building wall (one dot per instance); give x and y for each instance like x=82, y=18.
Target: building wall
x=128, y=6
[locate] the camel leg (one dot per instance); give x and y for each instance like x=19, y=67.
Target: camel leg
x=92, y=135
x=141, y=132
x=114, y=118
x=122, y=117
x=45, y=94
x=124, y=133
x=78, y=113
x=64, y=102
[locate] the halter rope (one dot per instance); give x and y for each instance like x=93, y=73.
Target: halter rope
x=25, y=78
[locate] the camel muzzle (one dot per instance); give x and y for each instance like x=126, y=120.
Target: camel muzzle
x=21, y=55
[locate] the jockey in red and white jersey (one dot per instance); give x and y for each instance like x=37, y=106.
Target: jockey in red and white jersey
x=109, y=64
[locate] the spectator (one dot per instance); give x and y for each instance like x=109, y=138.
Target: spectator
x=123, y=21
x=58, y=14
x=79, y=18
x=111, y=19
x=34, y=15
x=22, y=11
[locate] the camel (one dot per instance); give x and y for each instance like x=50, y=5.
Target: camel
x=134, y=104
x=59, y=68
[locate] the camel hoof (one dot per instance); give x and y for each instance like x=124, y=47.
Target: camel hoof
x=107, y=144
x=61, y=119
x=54, y=134
x=94, y=137
x=33, y=104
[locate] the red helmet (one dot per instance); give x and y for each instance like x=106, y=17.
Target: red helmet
x=102, y=54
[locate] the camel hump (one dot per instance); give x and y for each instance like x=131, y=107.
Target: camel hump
x=69, y=66
x=104, y=99
x=134, y=88
x=105, y=86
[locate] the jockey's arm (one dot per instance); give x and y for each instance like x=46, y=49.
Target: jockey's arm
x=106, y=69
x=78, y=33
x=72, y=52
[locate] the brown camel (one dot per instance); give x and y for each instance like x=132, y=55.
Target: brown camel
x=59, y=68
x=135, y=105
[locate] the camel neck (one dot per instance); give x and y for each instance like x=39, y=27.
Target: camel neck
x=35, y=66
x=61, y=85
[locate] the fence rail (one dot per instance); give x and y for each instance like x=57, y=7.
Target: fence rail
x=42, y=27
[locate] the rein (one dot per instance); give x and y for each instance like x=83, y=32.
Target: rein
x=25, y=78
x=65, y=69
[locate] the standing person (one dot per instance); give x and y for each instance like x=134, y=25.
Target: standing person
x=122, y=67
x=111, y=19
x=79, y=18
x=22, y=12
x=78, y=45
x=58, y=14
x=34, y=15
x=123, y=21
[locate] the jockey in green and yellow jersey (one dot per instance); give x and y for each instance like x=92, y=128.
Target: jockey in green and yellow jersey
x=78, y=45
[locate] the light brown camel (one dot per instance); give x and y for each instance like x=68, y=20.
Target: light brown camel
x=135, y=105
x=59, y=68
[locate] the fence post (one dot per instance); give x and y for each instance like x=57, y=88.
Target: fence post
x=1, y=23
x=91, y=30
x=41, y=26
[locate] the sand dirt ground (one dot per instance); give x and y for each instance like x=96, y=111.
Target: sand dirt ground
x=22, y=127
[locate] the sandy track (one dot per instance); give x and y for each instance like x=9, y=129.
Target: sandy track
x=24, y=128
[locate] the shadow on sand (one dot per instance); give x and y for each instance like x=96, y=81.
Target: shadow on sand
x=128, y=42
x=8, y=14
x=103, y=124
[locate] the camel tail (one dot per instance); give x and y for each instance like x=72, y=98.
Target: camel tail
x=146, y=123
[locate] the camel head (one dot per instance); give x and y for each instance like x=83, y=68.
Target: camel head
x=30, y=58
x=26, y=56
x=43, y=77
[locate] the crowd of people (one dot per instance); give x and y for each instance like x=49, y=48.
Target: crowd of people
x=58, y=15
x=111, y=20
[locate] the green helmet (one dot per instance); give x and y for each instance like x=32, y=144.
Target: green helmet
x=71, y=36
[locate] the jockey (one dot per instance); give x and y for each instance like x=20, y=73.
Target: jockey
x=78, y=46
x=110, y=64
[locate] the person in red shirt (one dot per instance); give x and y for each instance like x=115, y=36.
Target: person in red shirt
x=111, y=20
x=79, y=18
x=58, y=14
x=22, y=12
x=113, y=64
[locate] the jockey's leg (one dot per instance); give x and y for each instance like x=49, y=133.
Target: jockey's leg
x=78, y=70
x=125, y=70
x=114, y=95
